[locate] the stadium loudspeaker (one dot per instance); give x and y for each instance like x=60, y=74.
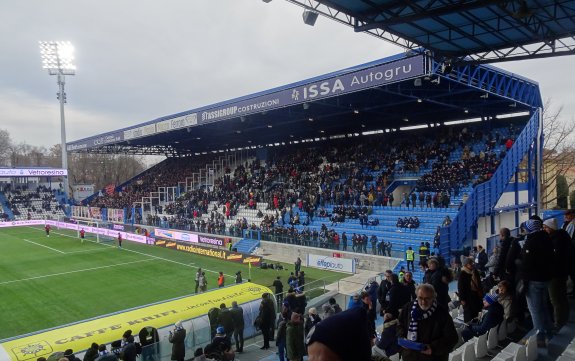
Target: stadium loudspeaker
x=309, y=17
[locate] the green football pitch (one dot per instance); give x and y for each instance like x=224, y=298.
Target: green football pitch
x=52, y=281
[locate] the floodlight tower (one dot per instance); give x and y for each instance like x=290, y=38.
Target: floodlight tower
x=58, y=57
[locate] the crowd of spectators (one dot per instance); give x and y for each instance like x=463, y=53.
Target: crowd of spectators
x=21, y=198
x=297, y=183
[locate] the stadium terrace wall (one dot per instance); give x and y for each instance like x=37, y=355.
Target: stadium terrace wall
x=192, y=310
x=362, y=260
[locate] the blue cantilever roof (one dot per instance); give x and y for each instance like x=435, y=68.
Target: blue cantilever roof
x=485, y=30
x=382, y=94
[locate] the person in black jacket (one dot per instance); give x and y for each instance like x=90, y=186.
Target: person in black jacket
x=504, y=244
x=267, y=316
x=537, y=269
x=429, y=323
x=226, y=321
x=398, y=296
x=384, y=287
x=238, y=320
x=177, y=338
x=435, y=275
x=492, y=318
x=558, y=285
x=469, y=290
x=129, y=352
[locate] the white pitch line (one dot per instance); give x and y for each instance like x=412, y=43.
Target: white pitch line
x=41, y=245
x=144, y=254
x=76, y=271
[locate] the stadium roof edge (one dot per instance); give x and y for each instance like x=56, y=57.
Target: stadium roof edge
x=367, y=65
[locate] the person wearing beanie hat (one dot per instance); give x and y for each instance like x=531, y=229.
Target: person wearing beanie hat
x=492, y=317
x=177, y=338
x=533, y=225
x=537, y=267
x=558, y=285
x=332, y=340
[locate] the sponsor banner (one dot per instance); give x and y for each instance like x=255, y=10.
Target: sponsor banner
x=191, y=237
x=140, y=131
x=83, y=191
x=222, y=254
x=184, y=121
x=97, y=141
x=347, y=83
x=354, y=81
x=21, y=223
x=76, y=227
x=33, y=172
x=331, y=263
x=110, y=328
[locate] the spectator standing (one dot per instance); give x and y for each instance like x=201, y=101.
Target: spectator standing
x=481, y=259
x=177, y=338
x=238, y=321
x=197, y=279
x=295, y=338
x=281, y=337
x=297, y=265
x=409, y=257
x=558, y=284
x=569, y=227
x=221, y=280
x=505, y=241
x=469, y=290
x=427, y=322
x=537, y=269
x=203, y=282
x=267, y=315
x=435, y=275
x=226, y=320
x=279, y=290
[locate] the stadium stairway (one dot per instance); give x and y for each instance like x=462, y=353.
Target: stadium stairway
x=246, y=246
x=417, y=274
x=6, y=209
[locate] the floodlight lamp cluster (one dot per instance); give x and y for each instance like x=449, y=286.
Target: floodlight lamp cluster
x=58, y=57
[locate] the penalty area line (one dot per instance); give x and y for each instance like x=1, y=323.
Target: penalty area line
x=41, y=245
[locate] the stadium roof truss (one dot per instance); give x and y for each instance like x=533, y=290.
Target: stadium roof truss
x=482, y=31
x=398, y=93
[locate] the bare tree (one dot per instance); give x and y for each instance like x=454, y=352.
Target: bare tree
x=558, y=153
x=5, y=146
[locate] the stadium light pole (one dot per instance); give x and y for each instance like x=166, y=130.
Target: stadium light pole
x=57, y=58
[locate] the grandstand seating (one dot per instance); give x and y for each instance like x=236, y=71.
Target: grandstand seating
x=40, y=203
x=345, y=172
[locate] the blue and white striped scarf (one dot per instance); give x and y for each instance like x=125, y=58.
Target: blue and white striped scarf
x=417, y=314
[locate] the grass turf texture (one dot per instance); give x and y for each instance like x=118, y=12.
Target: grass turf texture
x=51, y=281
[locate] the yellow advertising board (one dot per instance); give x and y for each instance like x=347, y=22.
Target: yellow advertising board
x=79, y=336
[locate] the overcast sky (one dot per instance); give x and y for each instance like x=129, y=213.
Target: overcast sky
x=139, y=60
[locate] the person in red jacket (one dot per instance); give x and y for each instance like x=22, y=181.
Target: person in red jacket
x=82, y=235
x=47, y=229
x=221, y=280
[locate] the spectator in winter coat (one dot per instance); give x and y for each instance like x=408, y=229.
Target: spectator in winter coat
x=311, y=320
x=295, y=338
x=469, y=290
x=427, y=322
x=537, y=259
x=177, y=338
x=558, y=286
x=492, y=318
